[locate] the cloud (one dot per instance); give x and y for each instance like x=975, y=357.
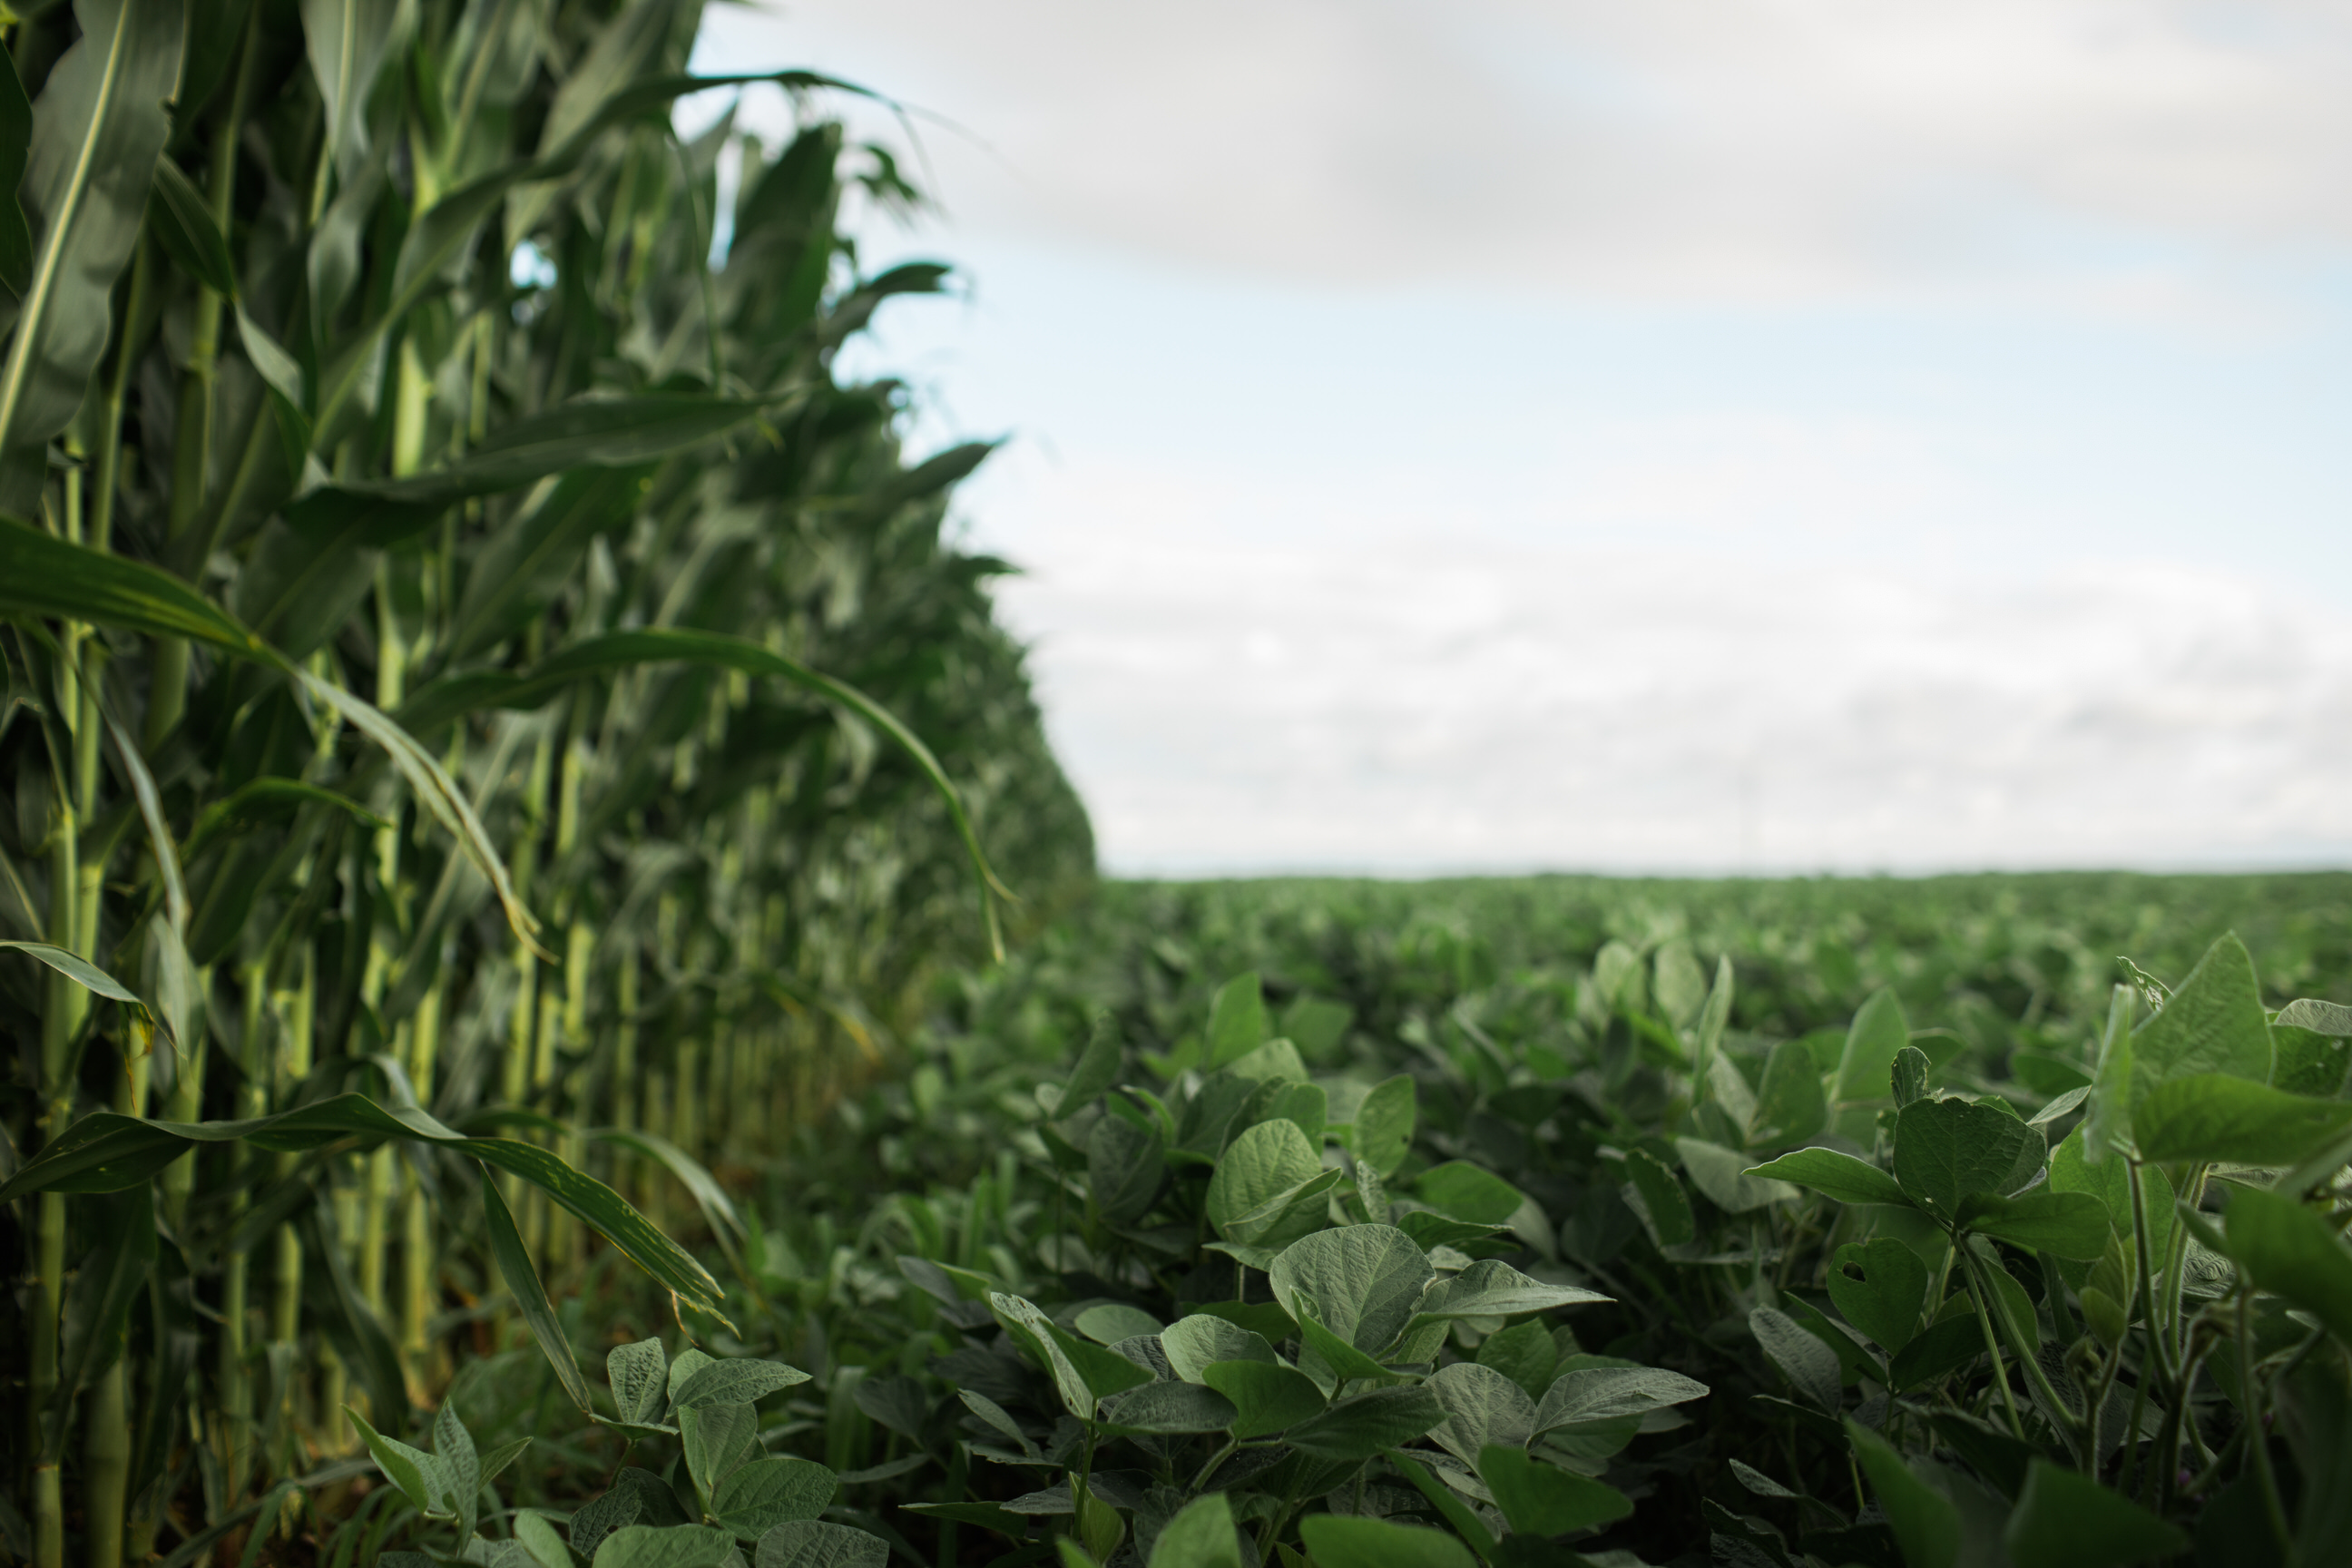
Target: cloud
x=2122, y=154
x=1405, y=703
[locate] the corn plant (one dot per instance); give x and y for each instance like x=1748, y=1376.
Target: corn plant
x=466, y=664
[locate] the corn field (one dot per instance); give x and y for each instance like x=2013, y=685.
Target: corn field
x=494, y=728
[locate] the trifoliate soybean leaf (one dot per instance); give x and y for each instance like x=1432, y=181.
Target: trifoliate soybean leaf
x=1493, y=1288
x=1926, y=1524
x=1202, y=1535
x=1278, y=1221
x=1327, y=1358
x=1542, y=1499
x=1879, y=1031
x=1946, y=1148
x=1469, y=1192
x=1346, y=1540
x=1811, y=1366
x=1125, y=1167
x=2292, y=1252
x=1834, y=1175
x=736, y=1381
x=1383, y=1129
x=672, y=1546
x=1482, y=1407
x=1169, y=1407
x=1881, y=1285
x=2213, y=1116
x=1359, y=1427
x=639, y=1374
x=687, y=1361
x=1524, y=1352
x=1608, y=1393
x=1097, y=1068
x=1721, y=1174
x=1194, y=1343
x=2067, y=1520
x=1263, y=1162
x=1431, y=1230
x=1307, y=1106
x=815, y=1543
x=764, y=1493
x=1275, y=1062
x=2064, y=1105
x=1051, y=1347
x=1236, y=1020
x=2215, y=1023
x=1365, y=1278
x=2065, y=1225
x=1268, y=1397
x=461, y=1469
x=1791, y=1104
x=718, y=1440
x=1662, y=1195
x=2011, y=1297
x=2110, y=1182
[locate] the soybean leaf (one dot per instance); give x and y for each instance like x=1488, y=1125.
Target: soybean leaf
x=1111, y=1322
x=1383, y=1125
x=1926, y=1524
x=1720, y=1173
x=1195, y=1343
x=1267, y=1161
x=2290, y=1251
x=815, y=1543
x=1937, y=1348
x=1347, y=1541
x=522, y=1280
x=2106, y=1120
x=718, y=1440
x=1835, y=1175
x=538, y=1539
x=1607, y=1393
x=1126, y=1168
x=1359, y=1427
x=1469, y=1192
x=2067, y=1520
x=1524, y=1352
x=417, y=1473
x=1493, y=1288
x=763, y=1493
x=738, y=1380
x=1366, y=1280
x=1881, y=1286
x=1791, y=1105
x=1542, y=1499
x=1811, y=1366
x=461, y=1470
x=112, y=1278
x=1098, y=1068
x=1172, y=1407
x=1482, y=1406
x=1878, y=1033
x=1267, y=1397
x=2213, y=1116
x=2214, y=1022
x=2329, y=1018
x=1946, y=1148
x=1910, y=1076
x=2110, y=1182
x=1202, y=1535
x=2065, y=1225
x=1663, y=1198
x=671, y=1546
x=1236, y=1020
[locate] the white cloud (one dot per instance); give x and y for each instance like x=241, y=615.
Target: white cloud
x=2121, y=153
x=1400, y=703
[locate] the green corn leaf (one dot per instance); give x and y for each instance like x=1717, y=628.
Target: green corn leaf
x=183, y=221
x=97, y=130
x=348, y=41
x=78, y=970
x=267, y=800
x=522, y=1282
x=108, y=1284
x=15, y=143
x=42, y=574
x=176, y=991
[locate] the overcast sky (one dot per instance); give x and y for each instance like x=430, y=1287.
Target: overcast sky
x=1698, y=435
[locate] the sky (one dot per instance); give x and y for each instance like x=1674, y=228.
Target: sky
x=1704, y=436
